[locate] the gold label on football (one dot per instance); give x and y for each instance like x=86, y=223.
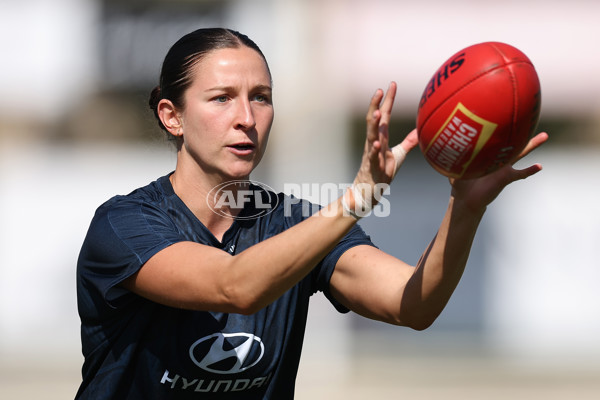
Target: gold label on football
x=459, y=140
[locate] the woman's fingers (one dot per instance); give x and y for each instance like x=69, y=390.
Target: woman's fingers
x=410, y=141
x=386, y=115
x=533, y=144
x=524, y=173
x=374, y=116
x=401, y=150
x=478, y=193
x=378, y=159
x=379, y=114
x=388, y=104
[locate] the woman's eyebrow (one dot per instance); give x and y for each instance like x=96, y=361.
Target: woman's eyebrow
x=227, y=88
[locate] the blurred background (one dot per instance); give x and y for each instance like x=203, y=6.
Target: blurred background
x=75, y=130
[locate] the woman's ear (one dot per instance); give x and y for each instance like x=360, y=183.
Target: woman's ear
x=170, y=117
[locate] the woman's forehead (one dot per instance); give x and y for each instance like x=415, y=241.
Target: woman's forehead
x=230, y=65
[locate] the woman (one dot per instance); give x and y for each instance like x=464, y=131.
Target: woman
x=179, y=301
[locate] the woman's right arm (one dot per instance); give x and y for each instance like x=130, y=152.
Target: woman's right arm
x=195, y=276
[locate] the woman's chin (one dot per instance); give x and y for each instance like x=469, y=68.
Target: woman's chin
x=239, y=173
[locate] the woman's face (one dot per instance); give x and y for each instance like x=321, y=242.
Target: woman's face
x=228, y=113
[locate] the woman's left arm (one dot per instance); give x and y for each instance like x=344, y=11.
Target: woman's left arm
x=382, y=287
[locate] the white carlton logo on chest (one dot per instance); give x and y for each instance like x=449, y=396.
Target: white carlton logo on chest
x=227, y=353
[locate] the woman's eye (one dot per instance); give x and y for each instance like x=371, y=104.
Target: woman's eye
x=261, y=98
x=221, y=99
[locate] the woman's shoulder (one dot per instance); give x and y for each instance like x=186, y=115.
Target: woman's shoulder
x=148, y=197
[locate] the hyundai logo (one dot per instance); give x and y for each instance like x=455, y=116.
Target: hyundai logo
x=227, y=353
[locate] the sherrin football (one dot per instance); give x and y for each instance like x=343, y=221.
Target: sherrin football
x=478, y=110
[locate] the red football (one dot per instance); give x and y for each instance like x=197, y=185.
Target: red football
x=479, y=110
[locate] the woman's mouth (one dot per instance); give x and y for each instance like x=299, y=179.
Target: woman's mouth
x=242, y=148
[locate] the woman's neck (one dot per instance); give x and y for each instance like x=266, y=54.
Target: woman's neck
x=201, y=193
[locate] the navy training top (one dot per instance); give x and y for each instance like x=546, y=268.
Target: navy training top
x=137, y=349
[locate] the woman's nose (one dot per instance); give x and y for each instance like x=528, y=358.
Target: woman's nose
x=245, y=115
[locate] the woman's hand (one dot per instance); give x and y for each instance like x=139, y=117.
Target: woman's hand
x=477, y=193
x=379, y=162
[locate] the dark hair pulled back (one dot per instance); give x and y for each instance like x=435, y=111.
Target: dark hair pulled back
x=176, y=73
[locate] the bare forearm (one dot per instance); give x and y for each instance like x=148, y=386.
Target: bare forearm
x=262, y=273
x=195, y=276
x=442, y=265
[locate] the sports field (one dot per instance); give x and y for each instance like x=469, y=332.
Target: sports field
x=367, y=377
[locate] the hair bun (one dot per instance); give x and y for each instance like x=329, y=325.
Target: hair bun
x=154, y=98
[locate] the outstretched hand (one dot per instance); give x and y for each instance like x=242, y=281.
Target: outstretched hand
x=478, y=193
x=380, y=162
